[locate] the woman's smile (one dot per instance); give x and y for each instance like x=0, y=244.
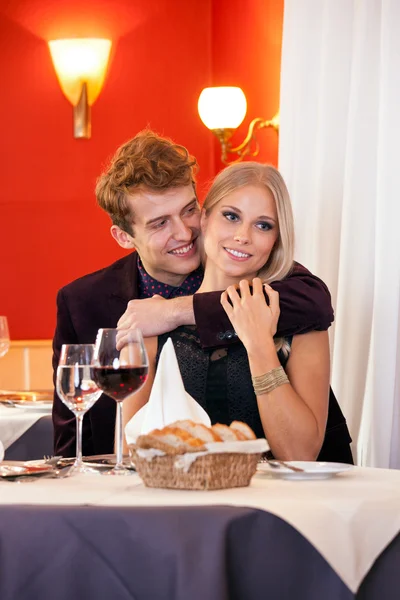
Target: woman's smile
x=237, y=254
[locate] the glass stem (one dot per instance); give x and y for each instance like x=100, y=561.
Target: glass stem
x=119, y=435
x=79, y=422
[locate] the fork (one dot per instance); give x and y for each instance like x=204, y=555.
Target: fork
x=276, y=464
x=58, y=473
x=51, y=460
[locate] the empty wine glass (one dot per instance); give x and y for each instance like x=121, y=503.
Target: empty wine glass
x=120, y=373
x=4, y=336
x=77, y=389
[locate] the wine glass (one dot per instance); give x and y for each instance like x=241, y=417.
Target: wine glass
x=120, y=373
x=4, y=336
x=78, y=391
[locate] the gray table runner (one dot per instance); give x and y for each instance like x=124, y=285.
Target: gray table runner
x=185, y=553
x=34, y=443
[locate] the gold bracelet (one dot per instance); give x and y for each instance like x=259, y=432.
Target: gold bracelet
x=265, y=384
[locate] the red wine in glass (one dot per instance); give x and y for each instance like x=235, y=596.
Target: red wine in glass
x=120, y=371
x=120, y=383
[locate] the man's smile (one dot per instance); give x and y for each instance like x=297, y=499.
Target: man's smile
x=185, y=251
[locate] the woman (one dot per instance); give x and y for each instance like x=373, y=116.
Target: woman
x=278, y=387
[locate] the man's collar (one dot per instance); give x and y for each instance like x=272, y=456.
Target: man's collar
x=149, y=286
x=125, y=278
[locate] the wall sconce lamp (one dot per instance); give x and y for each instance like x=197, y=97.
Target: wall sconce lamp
x=222, y=109
x=81, y=66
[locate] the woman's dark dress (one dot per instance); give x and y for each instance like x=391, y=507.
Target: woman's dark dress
x=220, y=381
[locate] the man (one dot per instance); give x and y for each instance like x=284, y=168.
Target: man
x=149, y=192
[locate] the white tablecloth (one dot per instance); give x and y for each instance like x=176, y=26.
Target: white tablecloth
x=350, y=519
x=15, y=421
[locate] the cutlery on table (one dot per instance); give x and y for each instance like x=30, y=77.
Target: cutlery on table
x=28, y=477
x=282, y=463
x=276, y=464
x=99, y=460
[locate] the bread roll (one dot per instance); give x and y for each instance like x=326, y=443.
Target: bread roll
x=148, y=441
x=198, y=430
x=244, y=430
x=227, y=434
x=187, y=436
x=171, y=440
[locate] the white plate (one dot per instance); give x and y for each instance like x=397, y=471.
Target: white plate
x=311, y=470
x=34, y=406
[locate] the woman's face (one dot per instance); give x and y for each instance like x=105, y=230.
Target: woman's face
x=240, y=231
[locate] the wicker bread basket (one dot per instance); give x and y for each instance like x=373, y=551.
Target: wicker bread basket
x=207, y=471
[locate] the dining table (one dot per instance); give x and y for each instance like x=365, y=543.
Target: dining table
x=26, y=429
x=102, y=536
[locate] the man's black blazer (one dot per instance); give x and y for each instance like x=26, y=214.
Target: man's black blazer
x=83, y=307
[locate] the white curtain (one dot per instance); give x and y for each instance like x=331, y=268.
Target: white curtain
x=339, y=153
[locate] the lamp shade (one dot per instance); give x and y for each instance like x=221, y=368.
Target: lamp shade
x=222, y=107
x=79, y=61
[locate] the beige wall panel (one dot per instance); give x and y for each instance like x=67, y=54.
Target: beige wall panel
x=40, y=370
x=27, y=366
x=12, y=370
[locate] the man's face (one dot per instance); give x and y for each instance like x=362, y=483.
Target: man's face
x=165, y=232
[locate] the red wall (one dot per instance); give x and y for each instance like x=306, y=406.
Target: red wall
x=164, y=53
x=246, y=51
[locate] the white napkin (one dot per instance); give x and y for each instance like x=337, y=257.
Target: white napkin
x=1, y=452
x=168, y=400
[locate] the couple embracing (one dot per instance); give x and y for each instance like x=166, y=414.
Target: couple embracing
x=249, y=325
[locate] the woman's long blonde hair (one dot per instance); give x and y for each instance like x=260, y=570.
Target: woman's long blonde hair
x=280, y=261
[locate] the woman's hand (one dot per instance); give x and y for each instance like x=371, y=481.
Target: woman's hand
x=254, y=321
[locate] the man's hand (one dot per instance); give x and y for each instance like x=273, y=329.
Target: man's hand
x=157, y=315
